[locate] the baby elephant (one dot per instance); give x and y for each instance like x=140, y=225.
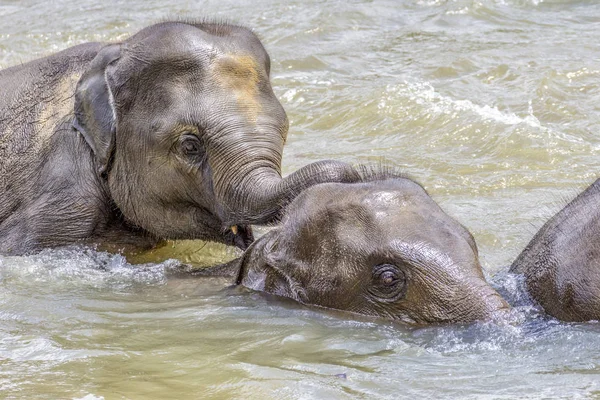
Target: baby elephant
x=380, y=247
x=174, y=133
x=561, y=264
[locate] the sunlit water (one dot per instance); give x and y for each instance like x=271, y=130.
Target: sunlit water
x=493, y=105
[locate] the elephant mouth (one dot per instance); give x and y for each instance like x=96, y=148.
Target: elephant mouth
x=240, y=236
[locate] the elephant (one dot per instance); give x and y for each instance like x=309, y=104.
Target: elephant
x=561, y=263
x=380, y=247
x=173, y=133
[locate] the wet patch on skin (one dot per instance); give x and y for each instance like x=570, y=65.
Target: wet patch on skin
x=239, y=74
x=19, y=147
x=48, y=111
x=61, y=105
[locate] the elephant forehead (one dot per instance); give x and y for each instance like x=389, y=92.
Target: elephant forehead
x=238, y=70
x=384, y=200
x=388, y=205
x=239, y=74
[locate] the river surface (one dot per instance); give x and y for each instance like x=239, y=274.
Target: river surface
x=493, y=105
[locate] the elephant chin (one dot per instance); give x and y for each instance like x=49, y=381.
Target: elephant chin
x=240, y=236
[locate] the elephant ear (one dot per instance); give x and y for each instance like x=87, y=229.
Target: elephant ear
x=95, y=113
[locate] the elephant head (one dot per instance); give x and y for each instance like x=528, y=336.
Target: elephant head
x=381, y=247
x=187, y=132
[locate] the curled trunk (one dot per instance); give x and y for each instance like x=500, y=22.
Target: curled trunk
x=261, y=194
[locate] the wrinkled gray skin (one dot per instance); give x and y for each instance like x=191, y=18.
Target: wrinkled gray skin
x=561, y=264
x=174, y=133
x=381, y=248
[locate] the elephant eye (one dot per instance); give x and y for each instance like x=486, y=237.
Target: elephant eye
x=190, y=146
x=388, y=278
x=388, y=283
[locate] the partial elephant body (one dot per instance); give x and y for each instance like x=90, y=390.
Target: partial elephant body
x=49, y=192
x=174, y=133
x=381, y=248
x=36, y=99
x=561, y=264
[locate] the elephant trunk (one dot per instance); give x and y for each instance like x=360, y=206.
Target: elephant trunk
x=246, y=167
x=259, y=194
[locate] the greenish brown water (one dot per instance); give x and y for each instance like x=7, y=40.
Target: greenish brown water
x=493, y=105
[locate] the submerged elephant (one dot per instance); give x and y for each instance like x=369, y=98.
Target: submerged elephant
x=561, y=264
x=381, y=247
x=174, y=133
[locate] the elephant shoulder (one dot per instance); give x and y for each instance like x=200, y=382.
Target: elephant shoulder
x=28, y=89
x=36, y=101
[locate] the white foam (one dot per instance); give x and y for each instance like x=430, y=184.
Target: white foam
x=82, y=266
x=22, y=349
x=424, y=94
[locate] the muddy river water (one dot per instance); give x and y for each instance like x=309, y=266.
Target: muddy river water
x=493, y=105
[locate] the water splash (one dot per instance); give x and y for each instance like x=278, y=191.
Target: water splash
x=424, y=95
x=80, y=266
